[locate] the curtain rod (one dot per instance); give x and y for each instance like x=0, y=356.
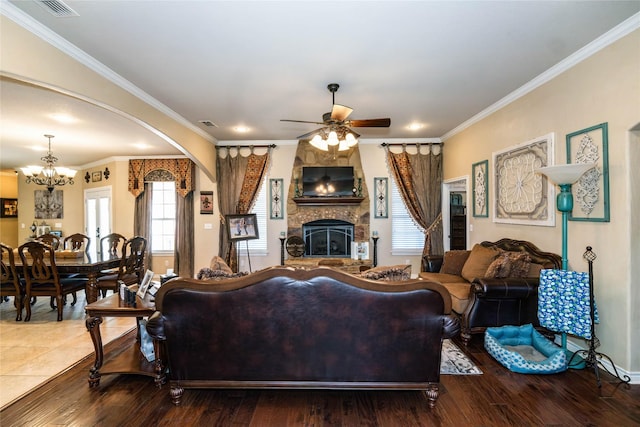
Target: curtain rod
x=400, y=144
x=247, y=146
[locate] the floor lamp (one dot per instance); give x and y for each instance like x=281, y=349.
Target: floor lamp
x=564, y=176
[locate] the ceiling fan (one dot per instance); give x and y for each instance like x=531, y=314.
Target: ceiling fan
x=337, y=119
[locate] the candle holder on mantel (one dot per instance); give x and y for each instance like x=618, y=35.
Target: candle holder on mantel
x=296, y=188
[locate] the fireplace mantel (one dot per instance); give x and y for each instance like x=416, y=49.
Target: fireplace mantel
x=318, y=201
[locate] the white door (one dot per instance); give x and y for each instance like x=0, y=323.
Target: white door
x=97, y=202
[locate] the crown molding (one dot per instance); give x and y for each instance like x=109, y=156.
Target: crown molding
x=39, y=30
x=626, y=27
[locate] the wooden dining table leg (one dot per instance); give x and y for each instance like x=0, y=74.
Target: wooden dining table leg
x=91, y=289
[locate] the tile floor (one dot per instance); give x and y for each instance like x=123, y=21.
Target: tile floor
x=32, y=352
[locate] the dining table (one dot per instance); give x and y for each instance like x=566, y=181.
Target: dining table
x=84, y=264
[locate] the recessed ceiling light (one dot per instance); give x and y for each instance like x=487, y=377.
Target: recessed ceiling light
x=415, y=126
x=241, y=129
x=63, y=118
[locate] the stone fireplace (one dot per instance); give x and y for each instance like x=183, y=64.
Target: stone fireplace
x=312, y=212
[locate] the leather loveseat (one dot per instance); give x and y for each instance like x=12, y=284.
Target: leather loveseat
x=493, y=284
x=318, y=328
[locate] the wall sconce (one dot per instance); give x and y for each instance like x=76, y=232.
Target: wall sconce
x=87, y=177
x=106, y=173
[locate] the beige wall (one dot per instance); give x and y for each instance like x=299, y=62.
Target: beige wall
x=603, y=88
x=9, y=226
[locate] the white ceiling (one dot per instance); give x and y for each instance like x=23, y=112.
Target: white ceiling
x=437, y=63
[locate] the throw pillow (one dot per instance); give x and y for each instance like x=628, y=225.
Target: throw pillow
x=520, y=264
x=390, y=273
x=454, y=261
x=509, y=264
x=217, y=263
x=207, y=273
x=478, y=262
x=500, y=267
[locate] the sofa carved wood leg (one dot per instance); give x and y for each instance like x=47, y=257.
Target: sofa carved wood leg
x=432, y=392
x=176, y=394
x=465, y=334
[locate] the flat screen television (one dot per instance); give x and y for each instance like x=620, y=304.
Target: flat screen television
x=327, y=181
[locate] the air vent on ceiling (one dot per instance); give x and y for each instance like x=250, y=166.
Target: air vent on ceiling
x=57, y=8
x=208, y=123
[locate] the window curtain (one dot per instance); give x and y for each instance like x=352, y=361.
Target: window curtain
x=238, y=180
x=142, y=220
x=182, y=171
x=183, y=253
x=419, y=180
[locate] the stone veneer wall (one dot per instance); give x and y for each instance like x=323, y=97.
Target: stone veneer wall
x=307, y=155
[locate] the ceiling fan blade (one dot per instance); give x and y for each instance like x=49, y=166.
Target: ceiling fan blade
x=309, y=134
x=340, y=112
x=370, y=123
x=301, y=121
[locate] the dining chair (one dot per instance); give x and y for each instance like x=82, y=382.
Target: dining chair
x=131, y=268
x=50, y=239
x=10, y=284
x=77, y=242
x=111, y=244
x=42, y=279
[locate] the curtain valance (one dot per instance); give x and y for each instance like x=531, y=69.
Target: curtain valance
x=183, y=171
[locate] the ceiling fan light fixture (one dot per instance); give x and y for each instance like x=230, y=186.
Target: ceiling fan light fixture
x=320, y=143
x=343, y=146
x=338, y=125
x=332, y=139
x=351, y=140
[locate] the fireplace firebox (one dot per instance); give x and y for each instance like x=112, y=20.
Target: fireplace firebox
x=329, y=238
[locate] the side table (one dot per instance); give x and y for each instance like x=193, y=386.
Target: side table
x=131, y=360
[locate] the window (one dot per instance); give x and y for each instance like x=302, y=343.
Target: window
x=163, y=216
x=258, y=246
x=407, y=238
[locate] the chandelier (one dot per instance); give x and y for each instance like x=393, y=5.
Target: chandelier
x=49, y=175
x=332, y=136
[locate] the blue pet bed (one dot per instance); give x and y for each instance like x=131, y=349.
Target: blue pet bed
x=524, y=350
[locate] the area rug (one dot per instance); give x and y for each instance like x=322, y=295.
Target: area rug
x=455, y=362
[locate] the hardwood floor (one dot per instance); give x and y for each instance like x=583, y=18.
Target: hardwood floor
x=496, y=398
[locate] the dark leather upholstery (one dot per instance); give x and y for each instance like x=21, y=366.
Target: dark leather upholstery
x=499, y=302
x=318, y=328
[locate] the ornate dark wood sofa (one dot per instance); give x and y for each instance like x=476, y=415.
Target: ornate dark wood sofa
x=494, y=284
x=287, y=328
